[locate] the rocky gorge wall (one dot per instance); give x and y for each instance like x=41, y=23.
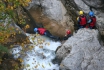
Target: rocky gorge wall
x=74, y=6
x=53, y=15
x=83, y=50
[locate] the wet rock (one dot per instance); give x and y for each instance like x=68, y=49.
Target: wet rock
x=17, y=37
x=86, y=53
x=53, y=16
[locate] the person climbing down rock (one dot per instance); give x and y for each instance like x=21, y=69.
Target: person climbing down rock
x=82, y=20
x=43, y=31
x=91, y=20
x=68, y=34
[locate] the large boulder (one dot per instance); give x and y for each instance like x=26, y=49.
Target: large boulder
x=52, y=14
x=95, y=4
x=82, y=51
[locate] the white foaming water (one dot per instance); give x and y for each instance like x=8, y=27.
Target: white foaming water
x=40, y=54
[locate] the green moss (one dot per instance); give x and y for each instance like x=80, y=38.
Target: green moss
x=3, y=49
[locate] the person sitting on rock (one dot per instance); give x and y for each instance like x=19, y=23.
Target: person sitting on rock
x=43, y=31
x=68, y=34
x=82, y=20
x=92, y=20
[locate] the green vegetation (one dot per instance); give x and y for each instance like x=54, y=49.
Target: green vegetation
x=3, y=49
x=10, y=12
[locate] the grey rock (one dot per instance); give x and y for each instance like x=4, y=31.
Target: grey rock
x=86, y=53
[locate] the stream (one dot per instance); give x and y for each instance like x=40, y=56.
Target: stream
x=38, y=55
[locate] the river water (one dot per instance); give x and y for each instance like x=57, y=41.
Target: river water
x=38, y=55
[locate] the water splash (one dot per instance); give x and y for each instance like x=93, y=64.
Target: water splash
x=39, y=54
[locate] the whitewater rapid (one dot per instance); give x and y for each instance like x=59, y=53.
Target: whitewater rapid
x=39, y=54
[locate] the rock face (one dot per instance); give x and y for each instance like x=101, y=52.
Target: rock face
x=49, y=24
x=82, y=52
x=99, y=13
x=97, y=7
x=95, y=4
x=19, y=37
x=52, y=8
x=53, y=15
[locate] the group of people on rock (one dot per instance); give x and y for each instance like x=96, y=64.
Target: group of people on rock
x=83, y=22
x=86, y=22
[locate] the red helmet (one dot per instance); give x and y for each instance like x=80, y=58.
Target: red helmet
x=68, y=32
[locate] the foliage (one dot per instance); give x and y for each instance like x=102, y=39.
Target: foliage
x=3, y=49
x=10, y=10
